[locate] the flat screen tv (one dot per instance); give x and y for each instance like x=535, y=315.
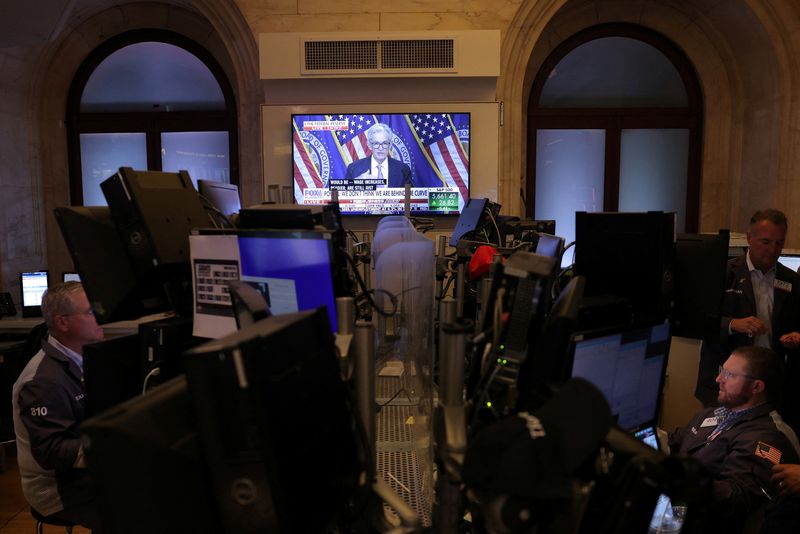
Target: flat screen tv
x=428, y=150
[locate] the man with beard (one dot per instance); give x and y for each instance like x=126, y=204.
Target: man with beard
x=760, y=306
x=741, y=440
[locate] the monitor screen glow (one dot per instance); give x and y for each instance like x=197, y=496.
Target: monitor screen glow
x=790, y=261
x=293, y=273
x=34, y=284
x=628, y=367
x=431, y=150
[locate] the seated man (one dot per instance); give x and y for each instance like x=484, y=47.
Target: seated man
x=49, y=406
x=740, y=441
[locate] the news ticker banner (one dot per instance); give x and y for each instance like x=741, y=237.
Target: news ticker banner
x=372, y=198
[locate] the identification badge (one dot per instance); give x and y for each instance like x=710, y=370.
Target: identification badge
x=709, y=421
x=783, y=285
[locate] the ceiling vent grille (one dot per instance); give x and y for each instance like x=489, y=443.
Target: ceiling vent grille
x=329, y=56
x=418, y=54
x=387, y=54
x=379, y=56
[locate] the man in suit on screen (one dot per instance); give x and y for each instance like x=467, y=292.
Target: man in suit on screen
x=379, y=168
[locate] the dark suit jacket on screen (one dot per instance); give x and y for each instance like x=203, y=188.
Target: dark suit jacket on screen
x=399, y=172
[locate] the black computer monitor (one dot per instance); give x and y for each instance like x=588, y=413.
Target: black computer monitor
x=113, y=372
x=628, y=366
x=273, y=409
x=224, y=197
x=147, y=467
x=154, y=213
x=699, y=272
x=32, y=285
x=628, y=255
x=113, y=288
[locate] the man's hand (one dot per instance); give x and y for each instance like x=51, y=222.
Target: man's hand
x=791, y=340
x=787, y=478
x=752, y=326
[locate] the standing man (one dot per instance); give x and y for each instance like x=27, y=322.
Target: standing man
x=761, y=306
x=740, y=441
x=379, y=169
x=49, y=407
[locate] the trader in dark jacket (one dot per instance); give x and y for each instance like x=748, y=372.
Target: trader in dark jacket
x=49, y=406
x=741, y=440
x=761, y=306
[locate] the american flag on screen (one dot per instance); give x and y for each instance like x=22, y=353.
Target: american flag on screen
x=439, y=138
x=352, y=142
x=306, y=173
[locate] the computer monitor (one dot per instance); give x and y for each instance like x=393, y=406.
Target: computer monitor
x=792, y=261
x=550, y=245
x=70, y=277
x=273, y=410
x=32, y=284
x=147, y=467
x=224, y=197
x=293, y=270
x=628, y=255
x=699, y=283
x=154, y=213
x=113, y=288
x=113, y=372
x=628, y=366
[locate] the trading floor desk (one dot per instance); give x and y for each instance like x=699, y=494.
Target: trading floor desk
x=19, y=327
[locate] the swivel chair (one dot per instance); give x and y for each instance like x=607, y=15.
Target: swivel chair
x=41, y=521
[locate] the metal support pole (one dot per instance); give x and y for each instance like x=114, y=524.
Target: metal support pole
x=450, y=423
x=364, y=376
x=345, y=315
x=366, y=267
x=459, y=290
x=452, y=343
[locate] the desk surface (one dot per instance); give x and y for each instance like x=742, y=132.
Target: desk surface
x=20, y=325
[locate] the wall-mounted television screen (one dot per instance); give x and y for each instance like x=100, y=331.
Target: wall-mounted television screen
x=368, y=158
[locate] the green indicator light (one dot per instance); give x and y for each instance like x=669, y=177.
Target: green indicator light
x=488, y=404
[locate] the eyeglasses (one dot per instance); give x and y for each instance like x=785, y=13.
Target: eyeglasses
x=385, y=144
x=89, y=313
x=727, y=375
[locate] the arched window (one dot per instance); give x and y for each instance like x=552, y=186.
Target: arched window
x=614, y=125
x=154, y=100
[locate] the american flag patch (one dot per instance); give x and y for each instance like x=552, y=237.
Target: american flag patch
x=764, y=450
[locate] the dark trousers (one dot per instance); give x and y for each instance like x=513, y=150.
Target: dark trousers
x=79, y=504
